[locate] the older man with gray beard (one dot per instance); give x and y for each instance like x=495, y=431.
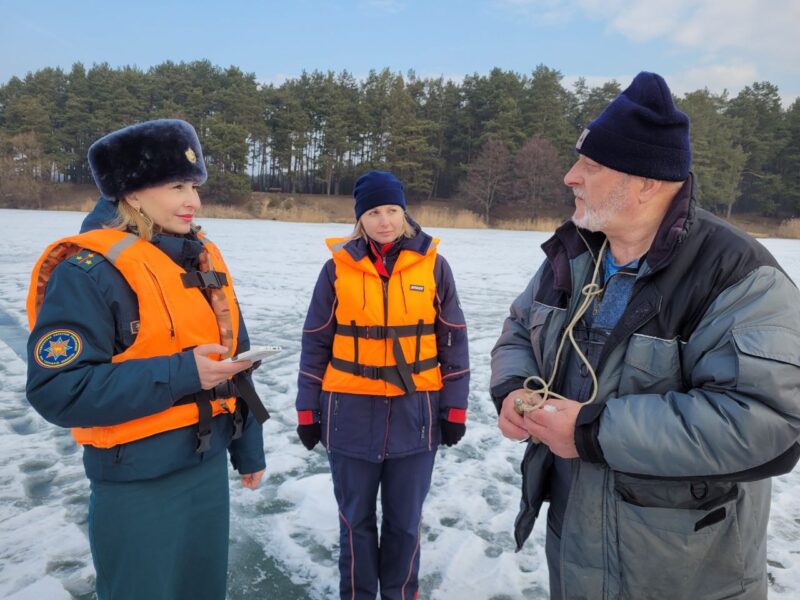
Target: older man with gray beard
x=653, y=364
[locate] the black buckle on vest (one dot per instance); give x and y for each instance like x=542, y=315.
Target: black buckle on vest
x=204, y=279
x=376, y=332
x=205, y=415
x=226, y=389
x=238, y=423
x=369, y=371
x=203, y=441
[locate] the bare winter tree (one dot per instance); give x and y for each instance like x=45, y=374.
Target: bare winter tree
x=488, y=178
x=538, y=174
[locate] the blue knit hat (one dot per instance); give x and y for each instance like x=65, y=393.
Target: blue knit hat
x=146, y=155
x=377, y=188
x=641, y=133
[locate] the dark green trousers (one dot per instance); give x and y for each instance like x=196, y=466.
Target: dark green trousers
x=162, y=539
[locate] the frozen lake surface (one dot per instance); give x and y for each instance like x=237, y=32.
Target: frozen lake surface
x=284, y=536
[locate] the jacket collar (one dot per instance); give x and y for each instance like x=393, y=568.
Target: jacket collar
x=103, y=213
x=570, y=241
x=184, y=250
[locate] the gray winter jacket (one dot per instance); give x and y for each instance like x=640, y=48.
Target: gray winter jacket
x=698, y=406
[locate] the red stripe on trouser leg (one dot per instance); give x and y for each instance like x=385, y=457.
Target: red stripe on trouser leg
x=457, y=415
x=305, y=417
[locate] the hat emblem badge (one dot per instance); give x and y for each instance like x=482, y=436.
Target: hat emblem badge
x=581, y=139
x=190, y=156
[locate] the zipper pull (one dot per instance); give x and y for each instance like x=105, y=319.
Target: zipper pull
x=422, y=433
x=449, y=338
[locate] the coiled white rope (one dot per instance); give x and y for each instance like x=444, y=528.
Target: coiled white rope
x=529, y=402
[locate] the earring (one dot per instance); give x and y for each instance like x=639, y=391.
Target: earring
x=144, y=216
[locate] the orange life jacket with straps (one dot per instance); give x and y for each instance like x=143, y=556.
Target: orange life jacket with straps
x=385, y=342
x=174, y=315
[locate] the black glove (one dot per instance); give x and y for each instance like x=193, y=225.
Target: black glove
x=310, y=435
x=452, y=432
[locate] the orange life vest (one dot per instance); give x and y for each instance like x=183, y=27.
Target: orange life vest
x=172, y=318
x=385, y=343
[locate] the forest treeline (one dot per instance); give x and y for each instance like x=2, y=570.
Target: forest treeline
x=492, y=139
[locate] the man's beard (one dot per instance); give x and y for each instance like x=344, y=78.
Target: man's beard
x=597, y=217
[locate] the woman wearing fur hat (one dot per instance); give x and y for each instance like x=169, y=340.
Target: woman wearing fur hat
x=384, y=378
x=129, y=322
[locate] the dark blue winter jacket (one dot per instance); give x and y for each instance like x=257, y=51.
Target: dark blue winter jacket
x=97, y=304
x=378, y=427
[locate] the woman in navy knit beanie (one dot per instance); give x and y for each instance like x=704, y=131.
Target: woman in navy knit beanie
x=384, y=379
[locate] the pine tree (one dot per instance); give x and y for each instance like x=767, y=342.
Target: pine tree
x=717, y=157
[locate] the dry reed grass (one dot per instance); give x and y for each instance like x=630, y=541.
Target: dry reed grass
x=434, y=216
x=296, y=214
x=790, y=228
x=535, y=224
x=221, y=211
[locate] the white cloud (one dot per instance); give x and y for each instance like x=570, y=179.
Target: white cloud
x=726, y=40
x=762, y=30
x=716, y=78
x=643, y=20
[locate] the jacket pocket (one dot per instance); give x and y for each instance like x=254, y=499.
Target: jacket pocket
x=351, y=423
x=410, y=423
x=538, y=316
x=691, y=549
x=766, y=349
x=326, y=416
x=652, y=365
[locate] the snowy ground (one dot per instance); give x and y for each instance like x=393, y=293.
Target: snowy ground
x=284, y=536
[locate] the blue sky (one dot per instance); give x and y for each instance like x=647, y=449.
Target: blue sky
x=719, y=44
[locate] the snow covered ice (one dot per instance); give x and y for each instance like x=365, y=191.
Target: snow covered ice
x=284, y=536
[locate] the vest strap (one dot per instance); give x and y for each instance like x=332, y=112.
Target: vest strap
x=390, y=374
x=204, y=426
x=403, y=368
x=238, y=422
x=379, y=332
x=247, y=392
x=204, y=279
x=238, y=387
x=420, y=326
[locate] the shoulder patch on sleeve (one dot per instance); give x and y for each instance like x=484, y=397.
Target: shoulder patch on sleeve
x=58, y=348
x=86, y=260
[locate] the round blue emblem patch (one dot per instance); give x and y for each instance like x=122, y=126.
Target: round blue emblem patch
x=58, y=348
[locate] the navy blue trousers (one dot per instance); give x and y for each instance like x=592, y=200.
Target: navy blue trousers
x=164, y=538
x=391, y=562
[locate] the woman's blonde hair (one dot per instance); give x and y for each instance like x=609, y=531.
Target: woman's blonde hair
x=360, y=232
x=136, y=221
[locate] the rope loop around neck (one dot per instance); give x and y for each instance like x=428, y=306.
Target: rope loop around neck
x=535, y=397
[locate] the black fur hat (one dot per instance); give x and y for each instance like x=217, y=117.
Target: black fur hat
x=145, y=155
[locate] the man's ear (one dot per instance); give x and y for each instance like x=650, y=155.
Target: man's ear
x=648, y=188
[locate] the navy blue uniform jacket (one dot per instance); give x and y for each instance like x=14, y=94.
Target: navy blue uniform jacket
x=97, y=303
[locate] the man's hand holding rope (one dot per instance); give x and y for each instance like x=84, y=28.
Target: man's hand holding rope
x=555, y=428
